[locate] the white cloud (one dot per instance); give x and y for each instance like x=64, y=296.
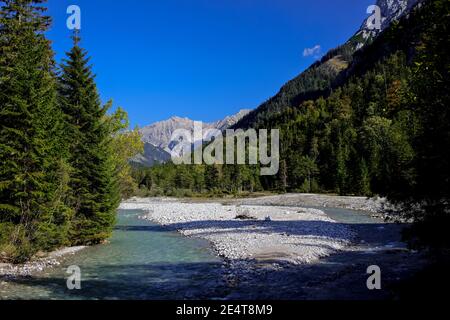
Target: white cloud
x=314, y=51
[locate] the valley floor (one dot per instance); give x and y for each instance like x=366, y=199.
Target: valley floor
x=251, y=232
x=294, y=246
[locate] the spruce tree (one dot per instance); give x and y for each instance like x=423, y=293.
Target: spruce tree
x=94, y=192
x=32, y=211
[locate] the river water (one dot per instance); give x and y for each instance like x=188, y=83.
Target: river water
x=142, y=261
x=146, y=261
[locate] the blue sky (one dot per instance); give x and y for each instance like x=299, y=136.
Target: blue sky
x=202, y=59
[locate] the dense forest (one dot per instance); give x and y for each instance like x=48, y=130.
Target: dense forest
x=375, y=122
x=63, y=155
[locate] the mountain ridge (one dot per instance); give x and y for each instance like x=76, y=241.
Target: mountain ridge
x=157, y=136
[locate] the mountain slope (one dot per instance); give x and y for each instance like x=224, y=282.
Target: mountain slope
x=391, y=10
x=359, y=138
x=152, y=156
x=322, y=75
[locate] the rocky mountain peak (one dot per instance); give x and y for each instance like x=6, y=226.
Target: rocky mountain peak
x=391, y=10
x=157, y=136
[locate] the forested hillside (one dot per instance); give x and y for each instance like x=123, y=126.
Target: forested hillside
x=327, y=73
x=310, y=84
x=381, y=127
x=63, y=158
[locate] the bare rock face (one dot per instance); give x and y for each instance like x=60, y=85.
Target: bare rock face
x=152, y=156
x=159, y=133
x=231, y=120
x=391, y=10
x=157, y=136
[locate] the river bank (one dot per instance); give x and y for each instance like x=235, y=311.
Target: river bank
x=372, y=205
x=141, y=261
x=251, y=238
x=37, y=264
x=278, y=247
x=264, y=233
x=235, y=244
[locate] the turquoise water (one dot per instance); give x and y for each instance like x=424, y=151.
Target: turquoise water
x=142, y=261
x=148, y=262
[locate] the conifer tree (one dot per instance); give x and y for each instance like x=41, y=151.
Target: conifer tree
x=32, y=211
x=94, y=190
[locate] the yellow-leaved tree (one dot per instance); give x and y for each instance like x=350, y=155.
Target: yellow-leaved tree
x=125, y=145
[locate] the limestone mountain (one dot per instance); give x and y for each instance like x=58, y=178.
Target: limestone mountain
x=157, y=136
x=391, y=10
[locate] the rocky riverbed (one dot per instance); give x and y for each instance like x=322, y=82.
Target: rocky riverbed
x=377, y=207
x=373, y=205
x=248, y=236
x=276, y=247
